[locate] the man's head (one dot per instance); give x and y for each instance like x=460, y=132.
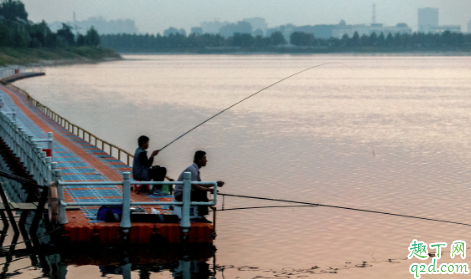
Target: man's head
x=143, y=142
x=200, y=158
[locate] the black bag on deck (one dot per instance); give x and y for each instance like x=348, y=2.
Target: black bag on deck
x=154, y=218
x=110, y=213
x=157, y=173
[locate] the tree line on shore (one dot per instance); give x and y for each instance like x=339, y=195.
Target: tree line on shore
x=18, y=32
x=299, y=42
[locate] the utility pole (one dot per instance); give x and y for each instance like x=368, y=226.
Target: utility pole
x=76, y=28
x=374, y=13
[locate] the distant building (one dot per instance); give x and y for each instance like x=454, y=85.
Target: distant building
x=242, y=27
x=327, y=31
x=443, y=28
x=196, y=30
x=175, y=31
x=367, y=30
x=320, y=31
x=285, y=30
x=259, y=25
x=212, y=27
x=56, y=25
x=427, y=19
x=102, y=25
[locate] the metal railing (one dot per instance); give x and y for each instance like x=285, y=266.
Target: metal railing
x=110, y=148
x=126, y=203
x=25, y=147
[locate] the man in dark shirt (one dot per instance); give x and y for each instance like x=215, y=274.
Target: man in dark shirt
x=142, y=163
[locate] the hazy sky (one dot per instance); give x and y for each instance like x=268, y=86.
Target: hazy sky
x=154, y=16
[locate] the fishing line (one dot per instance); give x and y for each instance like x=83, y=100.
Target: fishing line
x=348, y=208
x=266, y=206
x=250, y=96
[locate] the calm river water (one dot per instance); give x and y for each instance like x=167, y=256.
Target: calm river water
x=382, y=133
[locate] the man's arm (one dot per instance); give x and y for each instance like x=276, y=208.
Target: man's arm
x=144, y=161
x=207, y=187
x=201, y=188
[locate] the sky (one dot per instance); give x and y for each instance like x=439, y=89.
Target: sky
x=153, y=16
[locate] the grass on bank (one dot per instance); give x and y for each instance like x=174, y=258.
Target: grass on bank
x=24, y=56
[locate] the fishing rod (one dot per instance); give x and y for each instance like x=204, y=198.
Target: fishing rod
x=341, y=207
x=250, y=96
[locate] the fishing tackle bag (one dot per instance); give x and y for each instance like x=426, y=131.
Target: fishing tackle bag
x=110, y=213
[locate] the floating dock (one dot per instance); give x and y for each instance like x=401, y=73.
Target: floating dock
x=80, y=161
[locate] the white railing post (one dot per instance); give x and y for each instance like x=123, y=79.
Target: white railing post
x=20, y=145
x=126, y=216
x=62, y=218
x=30, y=155
x=37, y=162
x=48, y=171
x=14, y=135
x=186, y=198
x=11, y=130
x=13, y=115
x=49, y=143
x=36, y=156
x=43, y=167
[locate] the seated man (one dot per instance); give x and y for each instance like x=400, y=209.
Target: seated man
x=142, y=163
x=198, y=192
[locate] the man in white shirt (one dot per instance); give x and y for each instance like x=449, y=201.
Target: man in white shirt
x=198, y=192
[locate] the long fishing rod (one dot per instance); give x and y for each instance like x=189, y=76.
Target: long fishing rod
x=250, y=96
x=344, y=207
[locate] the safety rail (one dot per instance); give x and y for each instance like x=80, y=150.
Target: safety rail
x=25, y=147
x=76, y=130
x=126, y=203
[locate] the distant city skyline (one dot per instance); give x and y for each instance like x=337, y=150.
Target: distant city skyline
x=101, y=24
x=155, y=16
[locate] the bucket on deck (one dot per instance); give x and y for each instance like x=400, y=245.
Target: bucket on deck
x=142, y=188
x=48, y=152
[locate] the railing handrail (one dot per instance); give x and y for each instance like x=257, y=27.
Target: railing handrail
x=62, y=183
x=29, y=152
x=126, y=200
x=67, y=125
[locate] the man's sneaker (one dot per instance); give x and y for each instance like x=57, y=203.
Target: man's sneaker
x=203, y=220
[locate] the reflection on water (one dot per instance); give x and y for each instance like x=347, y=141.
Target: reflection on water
x=183, y=261
x=390, y=134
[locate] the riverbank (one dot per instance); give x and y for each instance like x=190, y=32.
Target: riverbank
x=56, y=56
x=302, y=52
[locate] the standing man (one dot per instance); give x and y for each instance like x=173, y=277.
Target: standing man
x=141, y=163
x=198, y=192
